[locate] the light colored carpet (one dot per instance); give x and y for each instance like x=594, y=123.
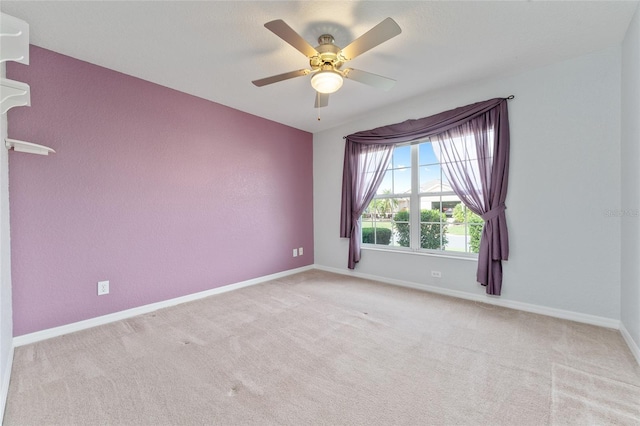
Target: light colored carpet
x=323, y=349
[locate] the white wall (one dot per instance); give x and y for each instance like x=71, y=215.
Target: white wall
x=6, y=324
x=565, y=160
x=630, y=288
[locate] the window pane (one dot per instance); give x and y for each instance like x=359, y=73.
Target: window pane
x=367, y=219
x=475, y=232
x=401, y=227
x=372, y=231
x=387, y=184
x=397, y=179
x=436, y=205
x=426, y=154
x=449, y=202
x=430, y=178
x=402, y=181
x=446, y=186
x=401, y=157
x=464, y=228
x=433, y=235
x=369, y=216
x=378, y=221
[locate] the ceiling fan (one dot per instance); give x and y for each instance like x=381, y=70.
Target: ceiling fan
x=326, y=59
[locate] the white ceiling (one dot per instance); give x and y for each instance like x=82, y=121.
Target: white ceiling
x=214, y=49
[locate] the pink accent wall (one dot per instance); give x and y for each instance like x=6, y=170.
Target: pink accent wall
x=162, y=193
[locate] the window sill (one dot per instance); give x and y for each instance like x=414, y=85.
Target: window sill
x=471, y=258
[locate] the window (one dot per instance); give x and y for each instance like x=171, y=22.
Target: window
x=415, y=207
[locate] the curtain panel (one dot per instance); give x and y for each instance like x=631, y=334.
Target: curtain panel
x=365, y=164
x=360, y=186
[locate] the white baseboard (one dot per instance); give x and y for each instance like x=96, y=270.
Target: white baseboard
x=117, y=316
x=527, y=307
x=633, y=345
x=4, y=390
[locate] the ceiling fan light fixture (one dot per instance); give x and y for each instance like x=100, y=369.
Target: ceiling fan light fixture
x=327, y=81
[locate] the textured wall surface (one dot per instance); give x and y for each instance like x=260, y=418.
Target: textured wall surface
x=159, y=192
x=630, y=290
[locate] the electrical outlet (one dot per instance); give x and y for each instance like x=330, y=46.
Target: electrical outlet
x=295, y=252
x=103, y=288
x=300, y=251
x=436, y=274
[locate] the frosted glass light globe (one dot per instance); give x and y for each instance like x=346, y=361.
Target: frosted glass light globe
x=327, y=81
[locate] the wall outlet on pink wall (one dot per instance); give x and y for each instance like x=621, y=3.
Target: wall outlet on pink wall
x=103, y=288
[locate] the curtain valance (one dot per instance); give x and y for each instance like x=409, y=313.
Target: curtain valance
x=422, y=128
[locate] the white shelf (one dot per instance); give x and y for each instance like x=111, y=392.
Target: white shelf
x=14, y=46
x=12, y=94
x=29, y=147
x=14, y=39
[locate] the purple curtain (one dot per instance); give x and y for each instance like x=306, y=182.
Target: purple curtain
x=474, y=157
x=364, y=169
x=494, y=245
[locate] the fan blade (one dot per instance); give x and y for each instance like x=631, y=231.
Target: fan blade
x=285, y=32
x=382, y=32
x=280, y=77
x=322, y=100
x=374, y=80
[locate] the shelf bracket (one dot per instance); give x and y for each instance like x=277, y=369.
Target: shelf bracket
x=12, y=94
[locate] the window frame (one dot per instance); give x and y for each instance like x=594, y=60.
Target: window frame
x=415, y=198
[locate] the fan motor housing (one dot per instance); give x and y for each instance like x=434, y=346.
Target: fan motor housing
x=328, y=53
